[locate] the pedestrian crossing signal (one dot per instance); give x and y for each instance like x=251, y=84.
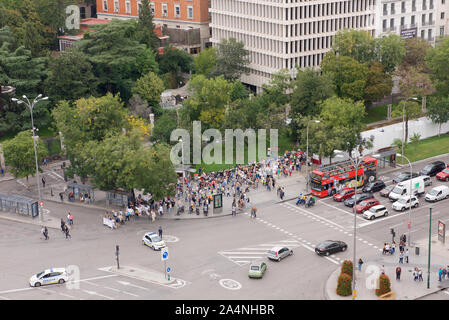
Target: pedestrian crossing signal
x=41, y=204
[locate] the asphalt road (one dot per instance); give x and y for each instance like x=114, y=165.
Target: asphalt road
x=212, y=256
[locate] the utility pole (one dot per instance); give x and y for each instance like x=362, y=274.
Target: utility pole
x=430, y=244
x=117, y=249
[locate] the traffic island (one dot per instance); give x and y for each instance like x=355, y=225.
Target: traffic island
x=141, y=274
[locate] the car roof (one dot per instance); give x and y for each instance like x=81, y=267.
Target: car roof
x=442, y=187
x=256, y=263
x=150, y=233
x=277, y=248
x=407, y=197
x=54, y=270
x=378, y=206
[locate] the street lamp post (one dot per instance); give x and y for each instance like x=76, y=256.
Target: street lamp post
x=30, y=106
x=356, y=165
x=428, y=254
x=411, y=192
x=307, y=153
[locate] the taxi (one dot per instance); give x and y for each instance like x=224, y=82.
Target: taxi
x=152, y=240
x=49, y=276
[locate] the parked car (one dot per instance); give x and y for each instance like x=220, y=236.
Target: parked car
x=328, y=247
x=366, y=204
x=49, y=276
x=357, y=199
x=433, y=168
x=438, y=193
x=279, y=253
x=404, y=176
x=443, y=175
x=344, y=194
x=427, y=181
x=413, y=186
x=375, y=212
x=374, y=186
x=404, y=203
x=257, y=269
x=386, y=191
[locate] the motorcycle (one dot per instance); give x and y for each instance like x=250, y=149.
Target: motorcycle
x=310, y=203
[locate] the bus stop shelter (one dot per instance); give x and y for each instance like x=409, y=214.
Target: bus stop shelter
x=119, y=198
x=19, y=204
x=79, y=191
x=386, y=155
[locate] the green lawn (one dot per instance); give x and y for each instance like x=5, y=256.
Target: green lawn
x=376, y=114
x=426, y=148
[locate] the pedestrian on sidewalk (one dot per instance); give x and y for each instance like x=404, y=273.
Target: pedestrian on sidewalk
x=62, y=225
x=415, y=274
x=160, y=232
x=2, y=172
x=153, y=215
x=360, y=264
x=387, y=248
x=282, y=193
x=401, y=258
x=67, y=233
x=398, y=273
x=45, y=232
x=253, y=212
x=440, y=274
x=43, y=181
x=393, y=248
x=382, y=269
x=61, y=196
x=406, y=256
x=70, y=219
x=420, y=278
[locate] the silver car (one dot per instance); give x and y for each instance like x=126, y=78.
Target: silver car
x=278, y=253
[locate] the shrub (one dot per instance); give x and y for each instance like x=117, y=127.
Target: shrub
x=384, y=285
x=344, y=287
x=347, y=267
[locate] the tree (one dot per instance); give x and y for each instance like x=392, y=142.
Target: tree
x=438, y=111
x=357, y=44
x=150, y=87
x=409, y=110
x=415, y=53
x=437, y=59
x=205, y=61
x=378, y=83
x=163, y=127
x=172, y=63
x=19, y=154
x=71, y=77
x=389, y=51
x=414, y=139
x=309, y=88
x=348, y=75
x=232, y=59
x=115, y=53
x=145, y=26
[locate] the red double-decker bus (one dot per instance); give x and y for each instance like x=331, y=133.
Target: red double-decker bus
x=329, y=179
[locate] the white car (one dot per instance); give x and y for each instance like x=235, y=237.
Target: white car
x=49, y=276
x=153, y=240
x=403, y=203
x=375, y=212
x=437, y=194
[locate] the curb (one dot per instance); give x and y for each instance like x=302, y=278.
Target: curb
x=27, y=222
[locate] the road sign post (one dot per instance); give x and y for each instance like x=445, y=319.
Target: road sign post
x=164, y=257
x=117, y=249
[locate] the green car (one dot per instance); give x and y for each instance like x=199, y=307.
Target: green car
x=257, y=269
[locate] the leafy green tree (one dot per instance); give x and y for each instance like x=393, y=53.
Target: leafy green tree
x=19, y=154
x=71, y=77
x=145, y=26
x=205, y=61
x=415, y=53
x=357, y=44
x=164, y=126
x=115, y=53
x=232, y=59
x=172, y=63
x=146, y=62
x=438, y=111
x=150, y=87
x=348, y=75
x=437, y=60
x=409, y=110
x=378, y=83
x=414, y=139
x=389, y=50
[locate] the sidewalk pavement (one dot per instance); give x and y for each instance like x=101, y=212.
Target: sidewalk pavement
x=405, y=288
x=140, y=273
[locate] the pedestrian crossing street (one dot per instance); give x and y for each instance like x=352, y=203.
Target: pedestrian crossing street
x=243, y=256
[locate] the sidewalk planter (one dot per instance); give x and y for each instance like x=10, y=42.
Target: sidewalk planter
x=344, y=287
x=347, y=268
x=384, y=285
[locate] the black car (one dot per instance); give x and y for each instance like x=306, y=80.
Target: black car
x=404, y=176
x=374, y=186
x=360, y=197
x=328, y=247
x=433, y=168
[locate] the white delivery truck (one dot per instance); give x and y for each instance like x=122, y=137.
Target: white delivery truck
x=403, y=188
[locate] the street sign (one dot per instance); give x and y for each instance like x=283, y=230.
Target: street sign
x=168, y=269
x=354, y=293
x=164, y=254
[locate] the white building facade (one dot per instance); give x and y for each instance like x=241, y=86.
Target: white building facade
x=280, y=34
x=427, y=19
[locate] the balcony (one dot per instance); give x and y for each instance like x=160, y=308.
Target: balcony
x=428, y=23
x=385, y=13
x=385, y=29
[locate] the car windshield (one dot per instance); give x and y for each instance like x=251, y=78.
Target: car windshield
x=446, y=171
x=433, y=192
x=156, y=239
x=255, y=268
x=323, y=245
x=40, y=274
x=403, y=200
x=373, y=209
x=403, y=175
x=397, y=190
x=389, y=188
x=427, y=168
x=363, y=203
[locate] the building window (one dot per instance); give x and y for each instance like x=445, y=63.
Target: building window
x=384, y=24
x=385, y=9
x=414, y=5
x=177, y=11
x=413, y=20
x=105, y=5
x=128, y=7
x=441, y=31
x=153, y=10
x=116, y=6
x=139, y=7
x=422, y=34
x=429, y=35
x=393, y=11
x=442, y=15
x=424, y=6
x=164, y=10
x=402, y=21
x=190, y=12
x=403, y=7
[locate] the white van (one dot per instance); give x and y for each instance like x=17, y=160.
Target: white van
x=403, y=188
x=438, y=193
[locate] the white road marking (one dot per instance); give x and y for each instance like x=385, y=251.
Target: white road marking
x=91, y=283
x=328, y=221
x=98, y=294
x=313, y=250
x=68, y=296
x=4, y=298
x=334, y=207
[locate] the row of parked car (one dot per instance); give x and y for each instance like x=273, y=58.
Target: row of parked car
x=404, y=184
